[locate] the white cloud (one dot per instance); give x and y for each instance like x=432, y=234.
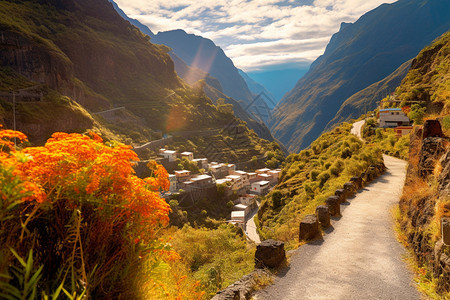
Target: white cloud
x=254, y=33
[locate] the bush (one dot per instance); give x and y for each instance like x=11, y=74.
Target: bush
x=77, y=207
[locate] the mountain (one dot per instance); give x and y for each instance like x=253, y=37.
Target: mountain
x=202, y=53
x=85, y=67
x=359, y=55
x=368, y=98
x=134, y=22
x=257, y=88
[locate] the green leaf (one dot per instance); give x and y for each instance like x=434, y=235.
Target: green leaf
x=29, y=265
x=22, y=262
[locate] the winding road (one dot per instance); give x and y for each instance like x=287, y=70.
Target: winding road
x=359, y=257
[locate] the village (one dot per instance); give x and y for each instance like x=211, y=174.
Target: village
x=246, y=185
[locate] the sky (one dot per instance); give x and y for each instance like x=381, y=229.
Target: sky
x=256, y=34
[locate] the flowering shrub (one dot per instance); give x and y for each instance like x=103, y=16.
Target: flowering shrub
x=89, y=221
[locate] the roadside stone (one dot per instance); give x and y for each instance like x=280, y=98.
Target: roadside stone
x=432, y=128
x=357, y=181
x=333, y=204
x=309, y=228
x=323, y=215
x=349, y=189
x=341, y=194
x=269, y=254
x=446, y=231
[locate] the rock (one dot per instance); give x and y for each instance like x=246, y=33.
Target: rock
x=349, y=189
x=357, y=181
x=432, y=149
x=244, y=287
x=269, y=254
x=432, y=128
x=341, y=194
x=446, y=231
x=323, y=215
x=333, y=204
x=309, y=228
x=444, y=177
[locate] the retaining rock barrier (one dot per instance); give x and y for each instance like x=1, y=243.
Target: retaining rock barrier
x=309, y=228
x=323, y=215
x=269, y=254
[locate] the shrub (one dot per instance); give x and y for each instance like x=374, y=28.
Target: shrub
x=76, y=205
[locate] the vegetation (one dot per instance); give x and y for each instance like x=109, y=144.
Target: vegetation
x=309, y=177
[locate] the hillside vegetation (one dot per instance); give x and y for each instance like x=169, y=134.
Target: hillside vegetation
x=309, y=177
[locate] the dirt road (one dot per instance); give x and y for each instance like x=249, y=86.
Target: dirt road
x=356, y=128
x=359, y=258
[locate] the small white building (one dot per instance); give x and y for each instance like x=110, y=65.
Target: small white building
x=238, y=216
x=188, y=155
x=393, y=117
x=244, y=176
x=236, y=181
x=252, y=177
x=264, y=176
x=262, y=171
x=202, y=163
x=275, y=175
x=247, y=199
x=173, y=183
x=260, y=187
x=183, y=175
x=218, y=170
x=231, y=168
x=169, y=154
x=202, y=181
x=243, y=207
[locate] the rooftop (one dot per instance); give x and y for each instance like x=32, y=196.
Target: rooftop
x=201, y=177
x=180, y=172
x=221, y=181
x=262, y=182
x=170, y=152
x=240, y=206
x=390, y=109
x=187, y=153
x=233, y=176
x=263, y=170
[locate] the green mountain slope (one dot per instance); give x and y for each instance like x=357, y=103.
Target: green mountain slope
x=359, y=55
x=85, y=50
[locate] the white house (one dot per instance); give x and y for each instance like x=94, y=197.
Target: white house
x=393, y=117
x=252, y=177
x=260, y=187
x=244, y=176
x=183, y=175
x=202, y=181
x=243, y=207
x=173, y=183
x=262, y=171
x=247, y=199
x=236, y=181
x=231, y=168
x=238, y=216
x=202, y=163
x=170, y=154
x=218, y=170
x=275, y=175
x=188, y=155
x=264, y=176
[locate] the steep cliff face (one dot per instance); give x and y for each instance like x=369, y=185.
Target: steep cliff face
x=359, y=55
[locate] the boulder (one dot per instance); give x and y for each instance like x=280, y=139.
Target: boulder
x=341, y=194
x=349, y=189
x=269, y=254
x=432, y=128
x=309, y=228
x=333, y=205
x=357, y=181
x=323, y=215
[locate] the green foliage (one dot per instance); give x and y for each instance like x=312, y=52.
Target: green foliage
x=417, y=113
x=216, y=257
